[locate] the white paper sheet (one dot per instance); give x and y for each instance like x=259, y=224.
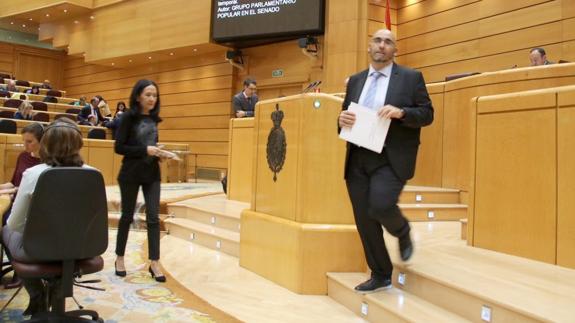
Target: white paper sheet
x=369, y=131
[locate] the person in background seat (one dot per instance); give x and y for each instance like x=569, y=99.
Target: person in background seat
x=25, y=111
x=538, y=57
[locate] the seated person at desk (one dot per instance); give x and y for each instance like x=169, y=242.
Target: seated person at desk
x=60, y=147
x=35, y=89
x=81, y=102
x=46, y=85
x=537, y=56
x=11, y=86
x=31, y=136
x=244, y=102
x=103, y=107
x=24, y=111
x=90, y=111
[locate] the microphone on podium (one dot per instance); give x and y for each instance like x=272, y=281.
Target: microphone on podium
x=312, y=84
x=315, y=87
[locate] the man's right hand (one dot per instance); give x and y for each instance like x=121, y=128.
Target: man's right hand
x=240, y=114
x=346, y=119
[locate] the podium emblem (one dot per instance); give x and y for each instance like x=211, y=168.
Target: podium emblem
x=276, y=147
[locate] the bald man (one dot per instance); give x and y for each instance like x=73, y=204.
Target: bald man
x=375, y=180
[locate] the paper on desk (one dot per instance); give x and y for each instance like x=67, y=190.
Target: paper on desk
x=369, y=130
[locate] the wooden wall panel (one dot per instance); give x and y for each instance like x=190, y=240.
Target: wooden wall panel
x=449, y=37
x=32, y=64
x=298, y=69
x=507, y=169
x=195, y=95
x=566, y=180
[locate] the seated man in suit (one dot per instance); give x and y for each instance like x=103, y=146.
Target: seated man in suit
x=537, y=56
x=90, y=115
x=244, y=102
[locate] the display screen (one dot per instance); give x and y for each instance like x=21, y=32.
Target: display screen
x=237, y=20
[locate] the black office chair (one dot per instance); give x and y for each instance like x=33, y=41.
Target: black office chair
x=66, y=231
x=97, y=134
x=8, y=126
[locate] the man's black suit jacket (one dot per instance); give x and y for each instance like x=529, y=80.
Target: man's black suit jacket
x=240, y=102
x=407, y=91
x=86, y=112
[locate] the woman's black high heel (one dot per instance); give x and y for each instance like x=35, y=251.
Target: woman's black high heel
x=120, y=273
x=160, y=279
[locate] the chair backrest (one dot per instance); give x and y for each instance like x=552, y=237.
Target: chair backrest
x=42, y=117
x=40, y=106
x=54, y=93
x=97, y=134
x=8, y=126
x=6, y=114
x=4, y=93
x=66, y=115
x=50, y=99
x=22, y=83
x=68, y=215
x=12, y=103
x=5, y=76
x=73, y=110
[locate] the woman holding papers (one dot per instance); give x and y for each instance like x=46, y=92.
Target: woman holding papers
x=137, y=139
x=376, y=178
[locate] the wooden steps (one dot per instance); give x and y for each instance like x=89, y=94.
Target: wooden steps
x=211, y=221
x=420, y=203
x=434, y=212
x=206, y=235
x=393, y=305
x=429, y=195
x=469, y=282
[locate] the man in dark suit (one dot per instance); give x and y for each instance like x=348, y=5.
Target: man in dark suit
x=90, y=114
x=244, y=102
x=374, y=181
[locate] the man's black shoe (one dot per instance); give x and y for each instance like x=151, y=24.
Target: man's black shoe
x=405, y=247
x=373, y=285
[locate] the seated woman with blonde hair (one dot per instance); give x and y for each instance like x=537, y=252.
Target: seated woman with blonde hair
x=25, y=111
x=60, y=147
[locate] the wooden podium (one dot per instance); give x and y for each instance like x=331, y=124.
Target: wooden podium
x=300, y=224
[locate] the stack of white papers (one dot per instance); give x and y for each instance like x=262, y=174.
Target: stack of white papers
x=369, y=131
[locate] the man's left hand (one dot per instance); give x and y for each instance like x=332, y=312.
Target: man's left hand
x=390, y=112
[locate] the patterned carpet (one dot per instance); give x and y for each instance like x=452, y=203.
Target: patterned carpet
x=135, y=298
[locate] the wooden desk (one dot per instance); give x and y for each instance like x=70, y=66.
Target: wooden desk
x=84, y=129
x=240, y=159
x=97, y=153
x=524, y=179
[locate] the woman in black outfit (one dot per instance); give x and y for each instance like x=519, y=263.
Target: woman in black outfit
x=136, y=139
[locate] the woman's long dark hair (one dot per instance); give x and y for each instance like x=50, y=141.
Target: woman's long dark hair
x=136, y=108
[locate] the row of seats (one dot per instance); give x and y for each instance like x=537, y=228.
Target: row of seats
x=25, y=84
x=11, y=127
